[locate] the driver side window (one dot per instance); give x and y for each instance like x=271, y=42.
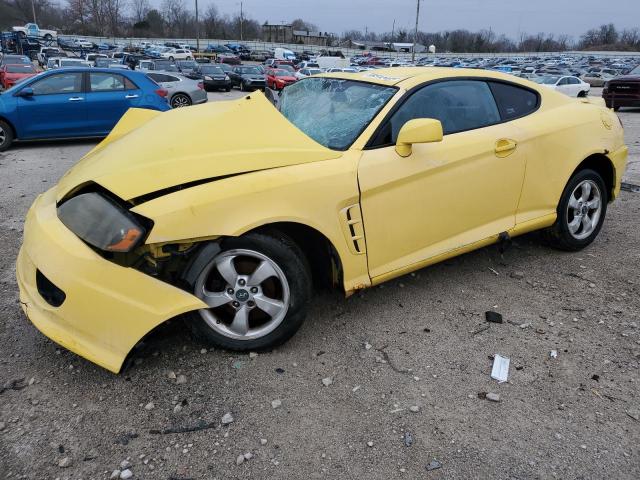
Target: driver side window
x=460, y=105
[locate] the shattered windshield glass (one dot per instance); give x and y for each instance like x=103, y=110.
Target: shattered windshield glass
x=333, y=111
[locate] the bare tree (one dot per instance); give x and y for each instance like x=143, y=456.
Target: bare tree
x=211, y=21
x=140, y=9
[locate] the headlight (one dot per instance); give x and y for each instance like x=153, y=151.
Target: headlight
x=226, y=77
x=207, y=77
x=101, y=222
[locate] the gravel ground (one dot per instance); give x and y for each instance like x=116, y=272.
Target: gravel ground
x=406, y=365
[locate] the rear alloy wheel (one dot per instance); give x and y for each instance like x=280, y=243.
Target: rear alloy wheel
x=6, y=136
x=257, y=289
x=180, y=100
x=581, y=212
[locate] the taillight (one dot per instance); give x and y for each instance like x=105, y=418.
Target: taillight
x=201, y=85
x=163, y=92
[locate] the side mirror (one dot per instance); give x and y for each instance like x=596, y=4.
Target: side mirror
x=25, y=92
x=418, y=130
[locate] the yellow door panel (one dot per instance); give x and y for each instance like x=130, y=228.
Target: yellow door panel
x=443, y=196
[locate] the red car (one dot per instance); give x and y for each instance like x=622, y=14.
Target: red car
x=12, y=74
x=228, y=59
x=277, y=78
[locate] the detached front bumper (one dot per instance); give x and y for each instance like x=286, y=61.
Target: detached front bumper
x=107, y=308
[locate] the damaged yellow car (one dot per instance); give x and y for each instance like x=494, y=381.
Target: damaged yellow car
x=228, y=213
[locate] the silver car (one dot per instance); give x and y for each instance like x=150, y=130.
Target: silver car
x=182, y=91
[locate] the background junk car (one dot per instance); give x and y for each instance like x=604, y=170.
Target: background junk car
x=74, y=102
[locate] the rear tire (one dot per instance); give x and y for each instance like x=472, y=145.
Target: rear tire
x=6, y=136
x=286, y=289
x=180, y=100
x=581, y=212
x=582, y=94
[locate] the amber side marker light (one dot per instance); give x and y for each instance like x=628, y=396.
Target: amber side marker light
x=126, y=241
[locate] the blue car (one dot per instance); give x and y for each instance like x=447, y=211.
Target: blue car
x=74, y=103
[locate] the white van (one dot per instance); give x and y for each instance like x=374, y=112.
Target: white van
x=284, y=54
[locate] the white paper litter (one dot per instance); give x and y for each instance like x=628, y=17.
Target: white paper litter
x=500, y=370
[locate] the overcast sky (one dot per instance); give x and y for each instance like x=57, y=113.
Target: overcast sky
x=572, y=17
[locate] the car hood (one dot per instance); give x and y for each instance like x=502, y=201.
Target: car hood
x=150, y=151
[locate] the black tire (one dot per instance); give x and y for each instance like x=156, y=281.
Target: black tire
x=6, y=136
x=290, y=259
x=615, y=109
x=180, y=100
x=582, y=94
x=227, y=89
x=558, y=235
x=48, y=37
x=171, y=59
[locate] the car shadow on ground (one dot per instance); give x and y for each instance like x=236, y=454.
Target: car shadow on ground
x=167, y=343
x=53, y=143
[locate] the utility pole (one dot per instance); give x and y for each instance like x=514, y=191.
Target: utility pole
x=197, y=29
x=33, y=10
x=415, y=34
x=241, y=21
x=393, y=29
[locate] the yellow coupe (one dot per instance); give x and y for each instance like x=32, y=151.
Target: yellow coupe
x=228, y=213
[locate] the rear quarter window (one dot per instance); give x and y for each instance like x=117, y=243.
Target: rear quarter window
x=514, y=101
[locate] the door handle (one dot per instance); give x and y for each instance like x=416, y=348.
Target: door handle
x=505, y=147
x=131, y=96
x=76, y=99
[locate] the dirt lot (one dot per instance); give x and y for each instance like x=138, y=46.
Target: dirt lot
x=407, y=360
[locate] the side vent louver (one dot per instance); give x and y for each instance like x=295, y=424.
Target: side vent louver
x=353, y=229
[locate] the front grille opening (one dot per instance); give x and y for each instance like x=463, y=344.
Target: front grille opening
x=52, y=294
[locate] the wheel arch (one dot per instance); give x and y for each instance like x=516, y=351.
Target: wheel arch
x=179, y=93
x=602, y=164
x=11, y=125
x=320, y=253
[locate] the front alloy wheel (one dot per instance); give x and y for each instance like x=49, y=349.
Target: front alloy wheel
x=6, y=136
x=256, y=290
x=261, y=292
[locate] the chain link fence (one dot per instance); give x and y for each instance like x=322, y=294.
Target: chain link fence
x=347, y=52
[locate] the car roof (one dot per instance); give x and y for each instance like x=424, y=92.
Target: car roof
x=95, y=69
x=408, y=77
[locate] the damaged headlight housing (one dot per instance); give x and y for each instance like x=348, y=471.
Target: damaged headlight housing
x=101, y=222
